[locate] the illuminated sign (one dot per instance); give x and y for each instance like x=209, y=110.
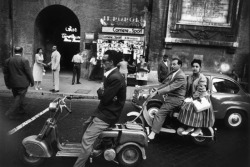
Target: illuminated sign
x=121, y=37
x=123, y=30
x=70, y=37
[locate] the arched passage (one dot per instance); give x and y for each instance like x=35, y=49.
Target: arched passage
x=58, y=25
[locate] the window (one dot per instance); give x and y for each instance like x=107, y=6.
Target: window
x=224, y=86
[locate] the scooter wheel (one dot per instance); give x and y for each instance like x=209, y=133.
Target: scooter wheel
x=130, y=156
x=29, y=160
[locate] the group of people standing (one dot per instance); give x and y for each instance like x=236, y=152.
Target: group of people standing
x=176, y=89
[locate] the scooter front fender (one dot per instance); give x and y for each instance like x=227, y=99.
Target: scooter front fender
x=36, y=147
x=119, y=148
x=133, y=113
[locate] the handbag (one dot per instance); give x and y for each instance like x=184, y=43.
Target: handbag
x=201, y=105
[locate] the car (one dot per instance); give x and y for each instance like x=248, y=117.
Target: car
x=229, y=100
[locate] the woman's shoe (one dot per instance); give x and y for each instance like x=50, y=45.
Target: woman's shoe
x=151, y=136
x=189, y=130
x=40, y=88
x=197, y=132
x=36, y=88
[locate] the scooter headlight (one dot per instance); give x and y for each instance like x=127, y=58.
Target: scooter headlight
x=52, y=106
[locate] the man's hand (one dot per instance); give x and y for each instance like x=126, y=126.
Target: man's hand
x=153, y=92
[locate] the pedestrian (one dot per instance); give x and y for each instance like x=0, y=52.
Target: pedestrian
x=77, y=61
x=92, y=66
x=196, y=89
x=163, y=68
x=55, y=67
x=38, y=68
x=112, y=98
x=142, y=71
x=173, y=89
x=123, y=68
x=234, y=75
x=18, y=77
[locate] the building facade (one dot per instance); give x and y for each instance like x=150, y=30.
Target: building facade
x=220, y=39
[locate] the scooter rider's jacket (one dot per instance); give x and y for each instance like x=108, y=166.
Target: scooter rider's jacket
x=174, y=86
x=112, y=98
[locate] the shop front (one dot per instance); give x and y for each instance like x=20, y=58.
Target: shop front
x=129, y=41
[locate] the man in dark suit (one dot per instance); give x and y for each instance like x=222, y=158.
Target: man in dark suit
x=18, y=77
x=163, y=68
x=112, y=98
x=174, y=89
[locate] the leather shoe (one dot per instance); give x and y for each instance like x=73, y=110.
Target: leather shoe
x=197, y=132
x=185, y=132
x=55, y=91
x=73, y=83
x=78, y=83
x=52, y=90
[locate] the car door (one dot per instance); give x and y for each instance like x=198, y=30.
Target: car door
x=224, y=94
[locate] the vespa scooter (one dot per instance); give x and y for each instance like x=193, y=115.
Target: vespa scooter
x=124, y=143
x=145, y=118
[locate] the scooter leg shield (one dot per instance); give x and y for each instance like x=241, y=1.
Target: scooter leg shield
x=35, y=147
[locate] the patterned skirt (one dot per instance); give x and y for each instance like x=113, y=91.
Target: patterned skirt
x=190, y=117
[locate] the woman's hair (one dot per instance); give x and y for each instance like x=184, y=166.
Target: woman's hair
x=37, y=50
x=196, y=61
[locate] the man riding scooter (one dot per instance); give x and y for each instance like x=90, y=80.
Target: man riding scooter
x=174, y=89
x=112, y=98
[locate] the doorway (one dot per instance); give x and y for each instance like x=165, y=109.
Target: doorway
x=58, y=25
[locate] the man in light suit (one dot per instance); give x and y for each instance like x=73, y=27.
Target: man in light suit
x=55, y=67
x=112, y=98
x=163, y=68
x=174, y=90
x=18, y=77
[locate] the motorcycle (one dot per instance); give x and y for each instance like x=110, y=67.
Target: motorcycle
x=171, y=125
x=123, y=143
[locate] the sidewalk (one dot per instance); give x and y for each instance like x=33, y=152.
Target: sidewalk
x=85, y=90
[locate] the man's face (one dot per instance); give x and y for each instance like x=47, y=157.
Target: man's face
x=175, y=66
x=165, y=58
x=53, y=48
x=107, y=64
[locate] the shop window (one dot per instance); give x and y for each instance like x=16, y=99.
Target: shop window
x=224, y=86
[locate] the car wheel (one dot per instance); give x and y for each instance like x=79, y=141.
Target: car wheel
x=153, y=108
x=235, y=119
x=130, y=156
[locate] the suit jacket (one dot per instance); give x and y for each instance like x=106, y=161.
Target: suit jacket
x=163, y=71
x=55, y=60
x=197, y=88
x=112, y=98
x=174, y=87
x=17, y=72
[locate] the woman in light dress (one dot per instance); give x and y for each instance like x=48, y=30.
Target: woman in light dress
x=38, y=68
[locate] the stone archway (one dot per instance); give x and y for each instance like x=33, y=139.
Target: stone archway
x=58, y=25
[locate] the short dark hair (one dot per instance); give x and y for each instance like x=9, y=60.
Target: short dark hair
x=114, y=56
x=165, y=55
x=196, y=61
x=178, y=61
x=38, y=49
x=18, y=49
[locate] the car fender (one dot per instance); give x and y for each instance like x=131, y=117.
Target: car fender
x=133, y=113
x=155, y=101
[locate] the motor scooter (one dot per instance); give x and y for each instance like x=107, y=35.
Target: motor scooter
x=123, y=143
x=171, y=125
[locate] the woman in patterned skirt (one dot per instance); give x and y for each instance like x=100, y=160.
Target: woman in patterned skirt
x=196, y=88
